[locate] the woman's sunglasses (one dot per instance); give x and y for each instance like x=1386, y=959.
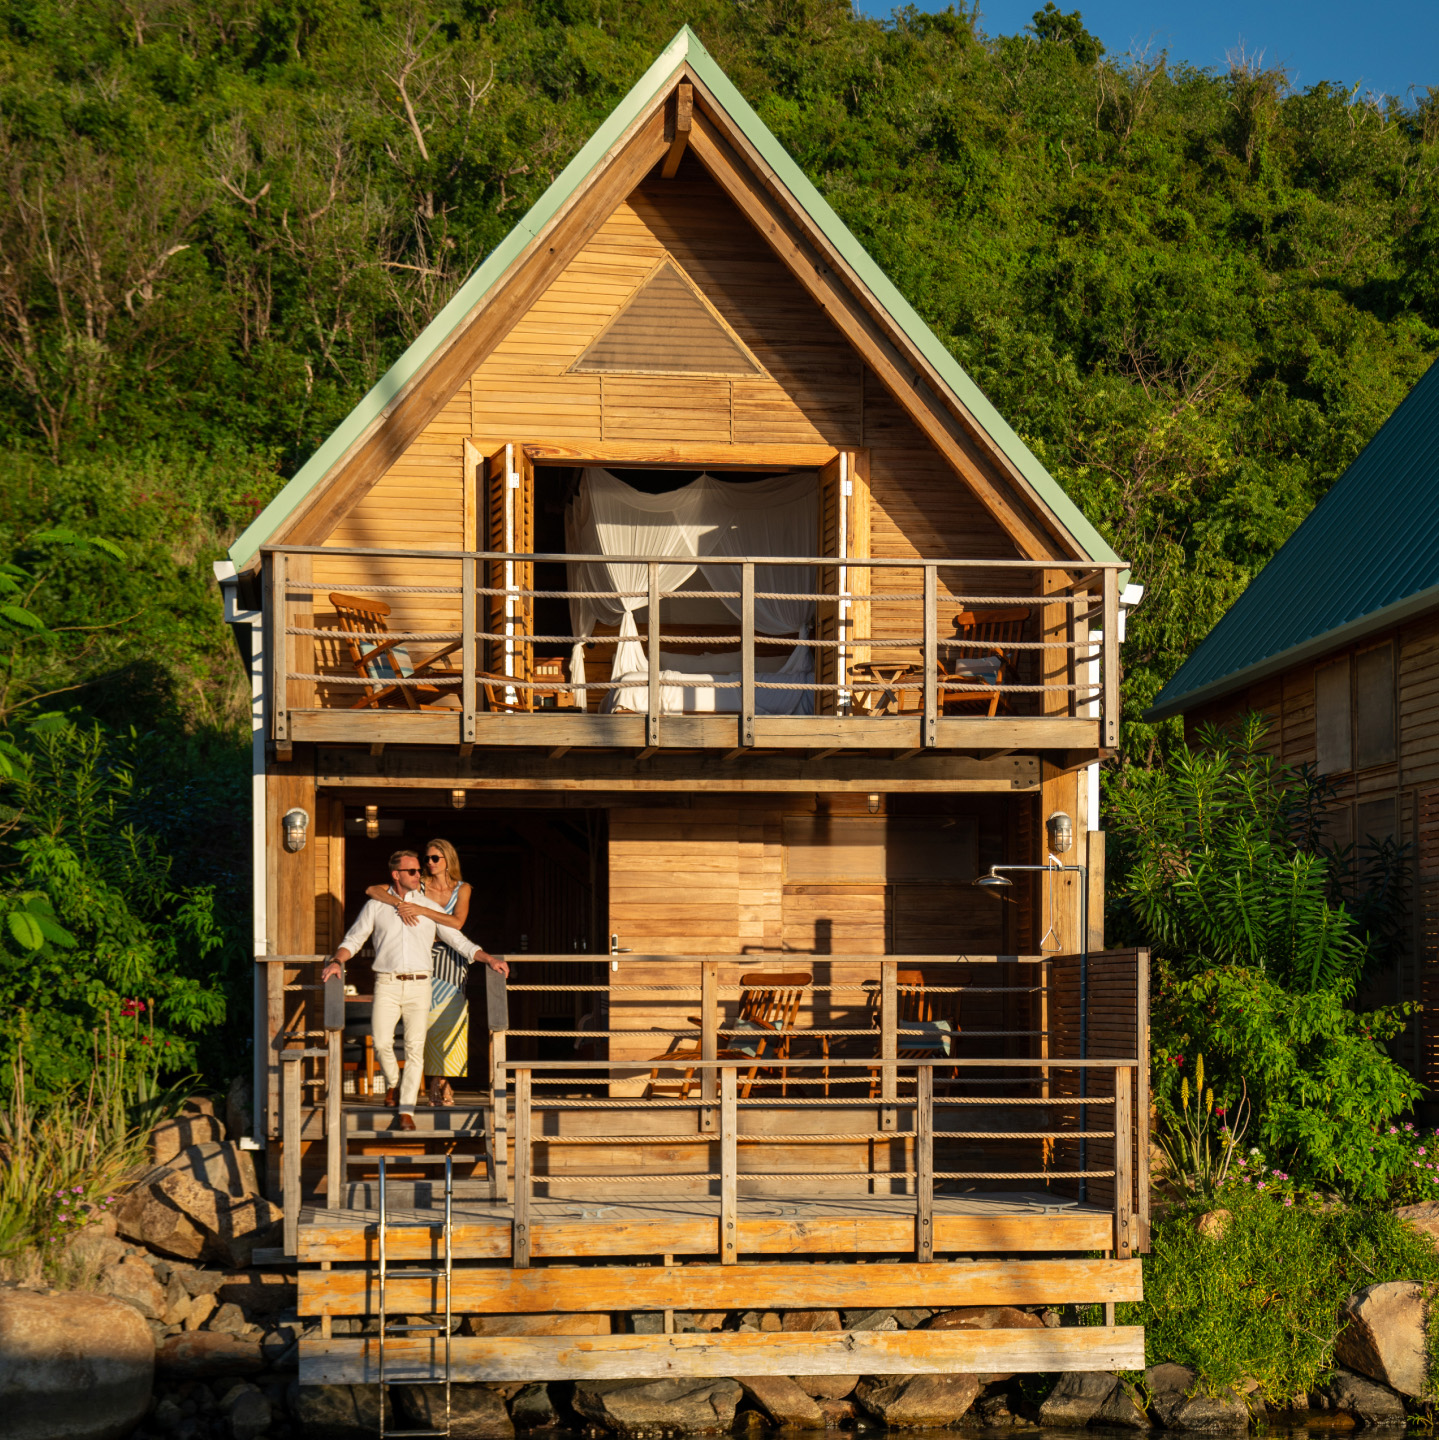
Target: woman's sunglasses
x=434, y=859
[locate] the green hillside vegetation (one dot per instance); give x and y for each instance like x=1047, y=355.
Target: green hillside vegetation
x=1196, y=295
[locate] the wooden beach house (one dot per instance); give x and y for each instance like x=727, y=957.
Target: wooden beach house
x=679, y=576
x=1336, y=643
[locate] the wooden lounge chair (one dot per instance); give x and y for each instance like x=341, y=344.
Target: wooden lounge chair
x=986, y=663
x=768, y=1006
x=916, y=1012
x=384, y=661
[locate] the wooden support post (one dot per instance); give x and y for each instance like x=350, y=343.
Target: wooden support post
x=468, y=700
x=499, y=1130
x=291, y=1063
x=931, y=656
x=1109, y=680
x=746, y=655
x=729, y=1165
x=280, y=650
x=524, y=1155
x=924, y=1164
x=709, y=1041
x=678, y=124
x=652, y=716
x=1123, y=1163
x=274, y=1035
x=334, y=1119
x=888, y=1044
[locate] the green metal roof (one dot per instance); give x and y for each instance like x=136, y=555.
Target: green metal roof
x=684, y=49
x=1365, y=559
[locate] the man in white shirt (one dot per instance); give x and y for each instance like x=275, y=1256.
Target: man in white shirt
x=402, y=976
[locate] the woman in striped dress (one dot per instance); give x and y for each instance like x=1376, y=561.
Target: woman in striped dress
x=447, y=1041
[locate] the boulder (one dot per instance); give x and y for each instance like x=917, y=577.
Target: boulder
x=93, y=1249
x=1077, y=1398
x=170, y=1137
x=1423, y=1217
x=532, y=1409
x=205, y=1354
x=247, y=1412
x=476, y=1411
x=1213, y=1224
x=201, y=1308
x=811, y=1322
x=915, y=1402
x=1181, y=1404
x=783, y=1401
x=1124, y=1410
x=630, y=1407
x=827, y=1387
x=838, y=1414
x=146, y=1216
x=134, y=1282
x=1383, y=1336
x=229, y=1319
x=336, y=1412
x=985, y=1317
x=72, y=1366
x=1373, y=1406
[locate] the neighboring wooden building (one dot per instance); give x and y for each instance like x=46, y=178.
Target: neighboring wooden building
x=700, y=766
x=1336, y=641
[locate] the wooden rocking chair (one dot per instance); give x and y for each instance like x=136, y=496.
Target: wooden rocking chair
x=768, y=1006
x=916, y=1013
x=382, y=661
x=986, y=663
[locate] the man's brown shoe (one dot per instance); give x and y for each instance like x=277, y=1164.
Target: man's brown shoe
x=392, y=1098
x=407, y=1122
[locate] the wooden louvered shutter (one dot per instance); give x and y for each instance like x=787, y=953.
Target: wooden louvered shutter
x=843, y=533
x=510, y=529
x=827, y=668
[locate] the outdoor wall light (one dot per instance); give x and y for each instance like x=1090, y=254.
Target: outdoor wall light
x=372, y=822
x=872, y=804
x=458, y=798
x=296, y=822
x=1060, y=830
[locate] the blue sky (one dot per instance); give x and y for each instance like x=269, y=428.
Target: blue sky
x=1386, y=45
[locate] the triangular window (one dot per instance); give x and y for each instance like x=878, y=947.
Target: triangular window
x=666, y=328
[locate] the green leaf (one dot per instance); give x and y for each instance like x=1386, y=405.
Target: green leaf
x=26, y=929
x=18, y=615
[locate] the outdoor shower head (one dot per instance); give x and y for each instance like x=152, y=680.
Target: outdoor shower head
x=994, y=884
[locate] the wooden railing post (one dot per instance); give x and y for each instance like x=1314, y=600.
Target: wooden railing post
x=524, y=1156
x=709, y=1041
x=652, y=717
x=930, y=730
x=1109, y=680
x=290, y=1064
x=279, y=649
x=334, y=1120
x=746, y=654
x=467, y=651
x=888, y=1044
x=924, y=1163
x=729, y=1166
x=1123, y=1163
x=499, y=1129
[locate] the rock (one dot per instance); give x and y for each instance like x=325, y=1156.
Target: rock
x=912, y=1319
x=72, y=1366
x=1176, y=1408
x=702, y=1320
x=1123, y=1410
x=148, y=1217
x=838, y=1413
x=170, y=1137
x=476, y=1411
x=134, y=1282
x=93, y=1249
x=532, y=1409
x=811, y=1322
x=1213, y=1224
x=247, y=1411
x=870, y=1320
x=168, y=1414
x=258, y=1292
x=278, y=1346
x=205, y=1354
x=994, y=1412
x=783, y=1401
x=687, y=1406
x=1370, y=1404
x=1423, y=1217
x=907, y=1402
x=1383, y=1336
x=827, y=1387
x=239, y=1109
x=201, y=1308
x=985, y=1317
x=336, y=1412
x=177, y=1298
x=1077, y=1397
x=228, y=1320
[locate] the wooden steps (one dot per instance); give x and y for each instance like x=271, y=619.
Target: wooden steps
x=344, y=1360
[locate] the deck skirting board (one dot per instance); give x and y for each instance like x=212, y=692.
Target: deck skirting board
x=355, y=1361
x=571, y=1288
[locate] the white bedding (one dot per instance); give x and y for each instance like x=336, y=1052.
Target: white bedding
x=689, y=686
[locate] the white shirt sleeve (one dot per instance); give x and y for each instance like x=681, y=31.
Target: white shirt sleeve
x=362, y=929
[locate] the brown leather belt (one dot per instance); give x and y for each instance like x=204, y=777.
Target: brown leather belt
x=383, y=976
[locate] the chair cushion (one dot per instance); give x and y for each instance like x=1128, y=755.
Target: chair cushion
x=745, y=1047
x=934, y=1038
x=976, y=667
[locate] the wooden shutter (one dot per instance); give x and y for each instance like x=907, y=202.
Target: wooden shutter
x=509, y=529
x=843, y=533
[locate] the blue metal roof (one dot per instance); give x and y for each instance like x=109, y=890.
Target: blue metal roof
x=1366, y=558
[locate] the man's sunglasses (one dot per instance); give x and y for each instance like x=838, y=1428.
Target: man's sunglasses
x=408, y=870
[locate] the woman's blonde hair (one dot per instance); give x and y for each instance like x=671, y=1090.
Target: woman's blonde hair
x=452, y=859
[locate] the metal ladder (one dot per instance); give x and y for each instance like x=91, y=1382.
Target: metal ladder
x=447, y=1274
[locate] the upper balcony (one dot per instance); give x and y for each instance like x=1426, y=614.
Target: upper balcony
x=653, y=651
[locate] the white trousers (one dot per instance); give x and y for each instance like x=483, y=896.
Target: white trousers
x=396, y=1000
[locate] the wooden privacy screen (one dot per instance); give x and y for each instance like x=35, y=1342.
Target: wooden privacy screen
x=843, y=533
x=1118, y=1012
x=509, y=528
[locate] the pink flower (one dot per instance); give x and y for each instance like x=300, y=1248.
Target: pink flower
x=1422, y=1150
x=1288, y=1199
x=1393, y=1129
x=1261, y=1184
